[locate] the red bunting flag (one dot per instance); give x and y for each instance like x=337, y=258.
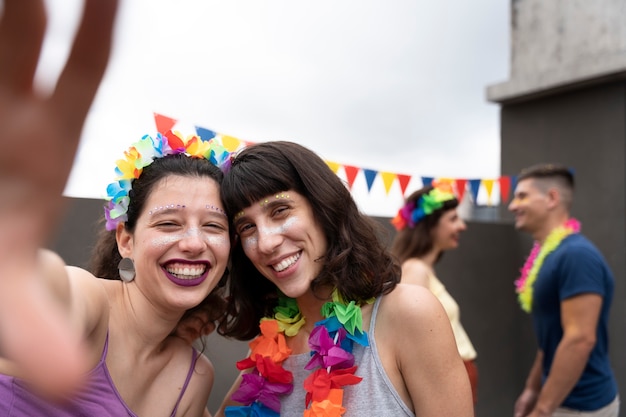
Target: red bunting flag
x=351, y=173
x=460, y=188
x=164, y=123
x=505, y=189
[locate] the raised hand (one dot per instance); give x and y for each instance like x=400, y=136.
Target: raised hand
x=39, y=136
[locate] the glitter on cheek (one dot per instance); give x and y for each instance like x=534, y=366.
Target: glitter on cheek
x=216, y=240
x=165, y=240
x=250, y=243
x=283, y=228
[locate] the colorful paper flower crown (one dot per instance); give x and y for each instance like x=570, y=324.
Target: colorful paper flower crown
x=142, y=153
x=414, y=211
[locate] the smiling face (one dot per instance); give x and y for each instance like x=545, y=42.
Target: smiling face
x=530, y=205
x=180, y=245
x=448, y=230
x=281, y=237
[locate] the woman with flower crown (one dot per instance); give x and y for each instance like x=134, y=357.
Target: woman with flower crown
x=72, y=344
x=334, y=333
x=429, y=224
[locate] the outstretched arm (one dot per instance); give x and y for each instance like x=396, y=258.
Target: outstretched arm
x=38, y=139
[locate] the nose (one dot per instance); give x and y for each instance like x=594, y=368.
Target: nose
x=462, y=225
x=513, y=205
x=269, y=239
x=192, y=241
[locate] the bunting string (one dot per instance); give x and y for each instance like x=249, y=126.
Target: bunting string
x=495, y=191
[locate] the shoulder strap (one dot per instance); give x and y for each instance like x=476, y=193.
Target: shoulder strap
x=194, y=359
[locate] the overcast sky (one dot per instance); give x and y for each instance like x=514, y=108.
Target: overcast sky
x=389, y=85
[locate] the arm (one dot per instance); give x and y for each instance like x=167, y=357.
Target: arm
x=425, y=350
x=528, y=398
x=50, y=128
x=579, y=318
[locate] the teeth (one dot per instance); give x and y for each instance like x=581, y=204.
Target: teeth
x=286, y=263
x=186, y=271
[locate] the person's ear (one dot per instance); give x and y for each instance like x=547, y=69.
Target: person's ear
x=124, y=241
x=554, y=197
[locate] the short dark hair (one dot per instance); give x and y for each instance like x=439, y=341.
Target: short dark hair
x=356, y=261
x=548, y=171
x=551, y=175
x=417, y=241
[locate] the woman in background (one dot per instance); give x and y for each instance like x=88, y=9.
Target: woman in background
x=428, y=225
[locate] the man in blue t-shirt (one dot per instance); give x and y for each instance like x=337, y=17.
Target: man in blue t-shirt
x=567, y=286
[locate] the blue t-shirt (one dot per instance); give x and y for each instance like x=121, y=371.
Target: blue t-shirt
x=575, y=267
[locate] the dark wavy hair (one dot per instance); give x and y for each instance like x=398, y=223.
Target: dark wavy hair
x=356, y=261
x=105, y=255
x=417, y=241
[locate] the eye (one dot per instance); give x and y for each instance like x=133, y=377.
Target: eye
x=216, y=226
x=245, y=229
x=167, y=224
x=280, y=211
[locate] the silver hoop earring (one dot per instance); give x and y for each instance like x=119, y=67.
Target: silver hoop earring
x=127, y=269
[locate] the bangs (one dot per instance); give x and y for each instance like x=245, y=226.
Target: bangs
x=250, y=179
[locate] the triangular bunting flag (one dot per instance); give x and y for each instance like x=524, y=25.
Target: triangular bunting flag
x=460, y=188
x=388, y=178
x=474, y=187
x=230, y=143
x=505, y=189
x=164, y=123
x=427, y=181
x=489, y=188
x=334, y=166
x=351, y=173
x=513, y=184
x=404, y=182
x=205, y=134
x=370, y=176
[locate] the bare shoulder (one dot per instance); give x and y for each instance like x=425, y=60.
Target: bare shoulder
x=200, y=385
x=415, y=271
x=410, y=299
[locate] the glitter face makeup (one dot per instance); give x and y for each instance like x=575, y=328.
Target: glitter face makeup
x=280, y=196
x=215, y=208
x=166, y=207
x=252, y=241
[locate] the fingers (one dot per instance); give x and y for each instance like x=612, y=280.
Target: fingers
x=22, y=29
x=79, y=81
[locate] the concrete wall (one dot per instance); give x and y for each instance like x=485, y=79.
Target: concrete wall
x=558, y=44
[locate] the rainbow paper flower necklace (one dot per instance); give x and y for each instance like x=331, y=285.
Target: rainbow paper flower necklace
x=332, y=362
x=534, y=262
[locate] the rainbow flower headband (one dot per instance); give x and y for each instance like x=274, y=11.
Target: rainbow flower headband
x=412, y=212
x=142, y=153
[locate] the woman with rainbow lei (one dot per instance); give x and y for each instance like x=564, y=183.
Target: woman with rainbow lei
x=334, y=333
x=428, y=224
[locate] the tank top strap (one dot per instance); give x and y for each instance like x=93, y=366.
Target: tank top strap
x=373, y=317
x=194, y=359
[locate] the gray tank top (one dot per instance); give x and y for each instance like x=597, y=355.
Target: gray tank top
x=373, y=396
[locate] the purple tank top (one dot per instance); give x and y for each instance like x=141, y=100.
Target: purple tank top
x=99, y=398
